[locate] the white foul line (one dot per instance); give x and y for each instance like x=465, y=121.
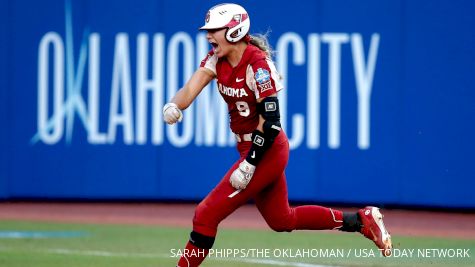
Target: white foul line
x=100, y=253
x=282, y=263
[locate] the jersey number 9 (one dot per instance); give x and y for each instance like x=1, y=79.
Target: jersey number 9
x=243, y=108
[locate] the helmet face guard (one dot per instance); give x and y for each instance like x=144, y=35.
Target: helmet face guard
x=230, y=16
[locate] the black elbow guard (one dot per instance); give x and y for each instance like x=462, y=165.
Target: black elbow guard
x=269, y=109
x=272, y=129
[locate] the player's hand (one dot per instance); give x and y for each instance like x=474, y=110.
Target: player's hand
x=171, y=113
x=242, y=175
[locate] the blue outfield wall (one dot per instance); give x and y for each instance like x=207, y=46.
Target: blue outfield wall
x=379, y=103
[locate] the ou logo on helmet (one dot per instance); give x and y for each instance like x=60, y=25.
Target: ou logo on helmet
x=208, y=15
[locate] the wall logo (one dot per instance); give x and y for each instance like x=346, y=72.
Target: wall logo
x=77, y=101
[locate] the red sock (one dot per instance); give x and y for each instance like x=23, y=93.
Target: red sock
x=192, y=256
x=317, y=218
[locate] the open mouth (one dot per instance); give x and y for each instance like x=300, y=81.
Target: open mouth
x=214, y=45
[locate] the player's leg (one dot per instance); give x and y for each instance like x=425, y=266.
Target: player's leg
x=218, y=205
x=274, y=207
x=208, y=214
x=273, y=204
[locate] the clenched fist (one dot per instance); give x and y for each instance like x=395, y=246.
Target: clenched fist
x=242, y=175
x=171, y=113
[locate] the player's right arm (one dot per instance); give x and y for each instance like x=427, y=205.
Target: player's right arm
x=172, y=111
x=186, y=95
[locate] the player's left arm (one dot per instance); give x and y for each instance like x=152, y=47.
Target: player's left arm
x=267, y=130
x=262, y=139
x=265, y=83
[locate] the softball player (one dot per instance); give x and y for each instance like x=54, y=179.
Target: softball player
x=248, y=81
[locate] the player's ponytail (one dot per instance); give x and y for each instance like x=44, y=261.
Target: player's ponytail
x=260, y=41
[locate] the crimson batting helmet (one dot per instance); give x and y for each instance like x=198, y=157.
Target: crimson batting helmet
x=231, y=16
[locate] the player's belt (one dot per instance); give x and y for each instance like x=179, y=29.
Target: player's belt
x=243, y=137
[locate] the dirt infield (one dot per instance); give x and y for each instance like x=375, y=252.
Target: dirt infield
x=399, y=222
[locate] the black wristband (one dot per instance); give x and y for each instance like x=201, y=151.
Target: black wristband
x=258, y=147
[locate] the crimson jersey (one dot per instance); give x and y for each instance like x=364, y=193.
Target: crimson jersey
x=254, y=77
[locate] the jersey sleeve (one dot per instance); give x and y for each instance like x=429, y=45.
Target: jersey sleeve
x=209, y=62
x=262, y=78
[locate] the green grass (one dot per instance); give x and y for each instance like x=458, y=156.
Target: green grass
x=125, y=245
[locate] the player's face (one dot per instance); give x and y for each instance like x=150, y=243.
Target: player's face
x=217, y=39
